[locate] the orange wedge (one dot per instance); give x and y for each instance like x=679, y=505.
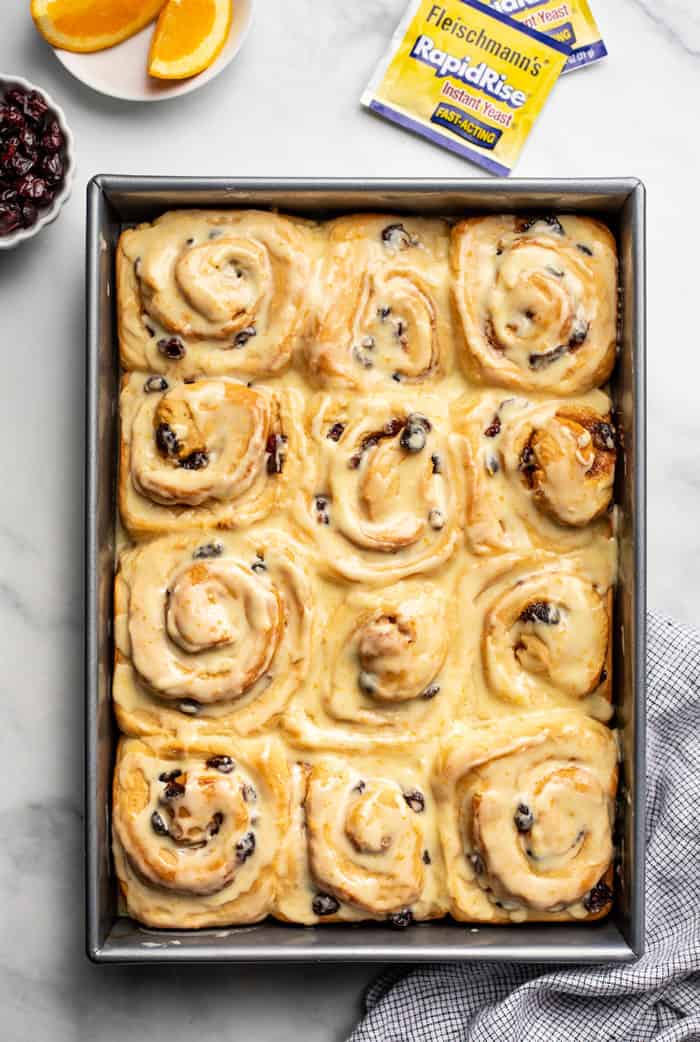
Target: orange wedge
x=188, y=37
x=91, y=25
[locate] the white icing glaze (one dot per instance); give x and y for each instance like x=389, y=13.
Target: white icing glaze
x=382, y=303
x=398, y=582
x=537, y=312
x=526, y=814
x=196, y=845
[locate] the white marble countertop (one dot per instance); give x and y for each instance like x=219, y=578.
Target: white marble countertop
x=287, y=106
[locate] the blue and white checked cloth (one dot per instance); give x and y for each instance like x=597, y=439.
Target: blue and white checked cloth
x=656, y=998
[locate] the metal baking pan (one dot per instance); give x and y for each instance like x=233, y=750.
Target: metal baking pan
x=113, y=202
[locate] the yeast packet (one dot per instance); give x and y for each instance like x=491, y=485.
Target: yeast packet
x=468, y=78
x=568, y=21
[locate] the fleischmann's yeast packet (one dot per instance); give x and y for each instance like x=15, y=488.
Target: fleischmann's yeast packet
x=570, y=22
x=468, y=78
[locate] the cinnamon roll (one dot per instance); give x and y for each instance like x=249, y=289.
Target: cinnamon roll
x=538, y=632
x=387, y=491
x=526, y=809
x=212, y=631
x=362, y=844
x=214, y=292
x=390, y=672
x=211, y=452
x=536, y=301
x=383, y=303
x=538, y=474
x=198, y=828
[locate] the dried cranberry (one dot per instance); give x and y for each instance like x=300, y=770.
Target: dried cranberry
x=221, y=763
x=494, y=428
x=166, y=440
x=52, y=168
x=155, y=383
x=20, y=164
x=325, y=904
x=158, y=825
x=208, y=550
x=28, y=139
x=396, y=235
x=195, y=461
x=8, y=195
x=552, y=222
x=32, y=187
x=276, y=453
x=413, y=437
x=336, y=432
x=48, y=197
x=15, y=119
x=6, y=156
x=15, y=96
x=402, y=919
x=415, y=800
x=52, y=139
x=604, y=436
x=171, y=347
x=34, y=106
x=541, y=611
x=597, y=898
x=245, y=847
x=241, y=338
x=29, y=214
x=10, y=218
x=524, y=818
x=216, y=823
x=169, y=775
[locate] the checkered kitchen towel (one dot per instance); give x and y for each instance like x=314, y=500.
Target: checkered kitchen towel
x=656, y=998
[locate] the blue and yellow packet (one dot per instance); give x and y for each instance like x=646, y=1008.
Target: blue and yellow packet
x=467, y=78
x=568, y=21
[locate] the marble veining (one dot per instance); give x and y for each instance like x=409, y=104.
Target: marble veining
x=289, y=105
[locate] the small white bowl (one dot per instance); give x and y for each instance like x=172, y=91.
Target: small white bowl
x=50, y=213
x=122, y=71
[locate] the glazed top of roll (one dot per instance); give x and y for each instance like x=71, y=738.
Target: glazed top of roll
x=537, y=301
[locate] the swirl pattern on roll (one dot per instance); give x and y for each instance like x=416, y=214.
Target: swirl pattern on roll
x=548, y=630
x=365, y=851
x=391, y=672
x=198, y=828
x=210, y=632
x=536, y=300
x=214, y=292
x=386, y=500
x=210, y=451
x=538, y=474
x=526, y=815
x=383, y=303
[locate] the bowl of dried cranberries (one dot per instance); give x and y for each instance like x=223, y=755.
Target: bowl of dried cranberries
x=36, y=160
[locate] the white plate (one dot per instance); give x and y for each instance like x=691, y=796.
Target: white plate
x=121, y=71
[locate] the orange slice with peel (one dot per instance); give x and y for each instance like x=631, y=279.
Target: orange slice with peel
x=188, y=37
x=91, y=25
